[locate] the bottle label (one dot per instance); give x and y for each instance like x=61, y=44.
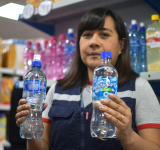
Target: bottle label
x=25, y=85
x=102, y=85
x=134, y=42
x=143, y=44
x=35, y=86
x=153, y=39
x=69, y=49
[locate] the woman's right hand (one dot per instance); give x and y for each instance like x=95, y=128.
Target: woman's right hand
x=23, y=110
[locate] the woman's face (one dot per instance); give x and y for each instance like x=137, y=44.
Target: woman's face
x=93, y=42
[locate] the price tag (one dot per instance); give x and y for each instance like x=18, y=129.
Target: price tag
x=28, y=11
x=44, y=8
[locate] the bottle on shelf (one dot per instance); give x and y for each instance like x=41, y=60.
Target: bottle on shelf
x=69, y=49
x=38, y=50
x=153, y=44
x=34, y=92
x=135, y=48
x=60, y=60
x=27, y=57
x=51, y=59
x=105, y=80
x=142, y=33
x=43, y=55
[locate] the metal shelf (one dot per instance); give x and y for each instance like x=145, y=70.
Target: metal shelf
x=69, y=9
x=5, y=107
x=12, y=71
x=6, y=70
x=151, y=76
x=6, y=143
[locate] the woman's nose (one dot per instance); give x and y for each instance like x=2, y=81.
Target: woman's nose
x=94, y=42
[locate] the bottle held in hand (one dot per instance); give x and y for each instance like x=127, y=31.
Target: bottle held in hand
x=105, y=80
x=34, y=92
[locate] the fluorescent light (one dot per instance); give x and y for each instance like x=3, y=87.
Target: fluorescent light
x=11, y=11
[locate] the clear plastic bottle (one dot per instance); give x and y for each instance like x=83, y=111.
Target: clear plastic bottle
x=142, y=33
x=135, y=47
x=34, y=92
x=153, y=44
x=60, y=59
x=51, y=59
x=69, y=49
x=43, y=56
x=27, y=57
x=105, y=80
x=38, y=50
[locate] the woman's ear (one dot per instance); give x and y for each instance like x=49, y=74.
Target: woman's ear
x=121, y=45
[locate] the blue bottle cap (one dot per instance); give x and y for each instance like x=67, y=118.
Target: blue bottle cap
x=134, y=26
x=36, y=63
x=106, y=54
x=142, y=28
x=70, y=34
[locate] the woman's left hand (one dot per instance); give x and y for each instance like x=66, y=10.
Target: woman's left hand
x=119, y=114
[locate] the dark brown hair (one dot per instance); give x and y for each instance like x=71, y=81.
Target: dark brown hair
x=92, y=20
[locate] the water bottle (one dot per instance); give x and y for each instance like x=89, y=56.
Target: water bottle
x=51, y=59
x=105, y=80
x=40, y=51
x=60, y=59
x=34, y=92
x=27, y=57
x=69, y=49
x=43, y=56
x=135, y=50
x=153, y=44
x=142, y=33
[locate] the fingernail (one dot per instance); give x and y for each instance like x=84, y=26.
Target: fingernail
x=102, y=101
x=110, y=95
x=106, y=114
x=27, y=106
x=26, y=111
x=101, y=107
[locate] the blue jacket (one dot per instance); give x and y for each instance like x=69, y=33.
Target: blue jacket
x=70, y=132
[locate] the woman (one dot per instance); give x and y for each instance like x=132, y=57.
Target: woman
x=134, y=111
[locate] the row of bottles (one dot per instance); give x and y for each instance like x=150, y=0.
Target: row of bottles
x=145, y=46
x=56, y=55
x=138, y=47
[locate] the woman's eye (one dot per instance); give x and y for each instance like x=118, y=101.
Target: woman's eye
x=86, y=35
x=105, y=35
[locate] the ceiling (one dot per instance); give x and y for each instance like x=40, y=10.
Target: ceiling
x=17, y=29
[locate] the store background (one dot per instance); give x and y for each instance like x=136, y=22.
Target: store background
x=62, y=19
